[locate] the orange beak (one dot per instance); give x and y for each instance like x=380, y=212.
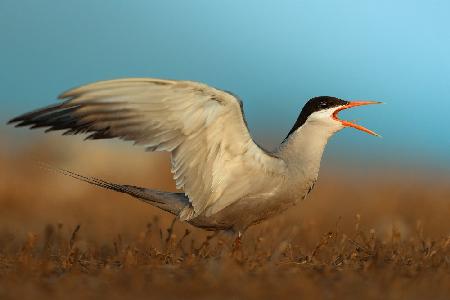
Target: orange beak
x=350, y=124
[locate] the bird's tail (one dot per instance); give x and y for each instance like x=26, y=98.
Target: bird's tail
x=174, y=203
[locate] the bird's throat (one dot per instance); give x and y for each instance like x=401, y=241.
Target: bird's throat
x=304, y=148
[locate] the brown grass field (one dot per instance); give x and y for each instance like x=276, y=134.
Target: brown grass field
x=367, y=233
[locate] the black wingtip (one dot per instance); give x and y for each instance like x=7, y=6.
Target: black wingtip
x=15, y=120
x=19, y=121
x=28, y=118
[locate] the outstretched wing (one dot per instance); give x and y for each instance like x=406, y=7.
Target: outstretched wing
x=212, y=151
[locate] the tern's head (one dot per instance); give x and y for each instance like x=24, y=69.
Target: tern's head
x=323, y=112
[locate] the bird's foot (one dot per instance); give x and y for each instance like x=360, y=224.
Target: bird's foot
x=237, y=243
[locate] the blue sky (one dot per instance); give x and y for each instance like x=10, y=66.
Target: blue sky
x=273, y=54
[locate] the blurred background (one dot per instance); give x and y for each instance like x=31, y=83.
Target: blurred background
x=274, y=55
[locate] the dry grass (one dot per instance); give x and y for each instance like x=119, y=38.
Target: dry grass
x=359, y=236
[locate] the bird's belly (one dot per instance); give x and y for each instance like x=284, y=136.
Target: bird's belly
x=257, y=207
x=251, y=210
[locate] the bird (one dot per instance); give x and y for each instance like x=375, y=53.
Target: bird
x=225, y=180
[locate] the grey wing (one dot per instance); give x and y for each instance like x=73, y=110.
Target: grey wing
x=201, y=126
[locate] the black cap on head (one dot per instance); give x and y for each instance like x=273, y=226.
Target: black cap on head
x=313, y=105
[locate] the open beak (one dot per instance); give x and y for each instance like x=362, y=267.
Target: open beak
x=350, y=124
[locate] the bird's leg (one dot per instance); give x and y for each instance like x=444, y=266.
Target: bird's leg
x=237, y=243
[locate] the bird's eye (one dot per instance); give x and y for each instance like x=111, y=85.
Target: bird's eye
x=323, y=104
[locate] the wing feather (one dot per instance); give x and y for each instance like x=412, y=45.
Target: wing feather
x=203, y=128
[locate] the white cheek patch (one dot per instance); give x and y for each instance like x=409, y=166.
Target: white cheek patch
x=323, y=116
